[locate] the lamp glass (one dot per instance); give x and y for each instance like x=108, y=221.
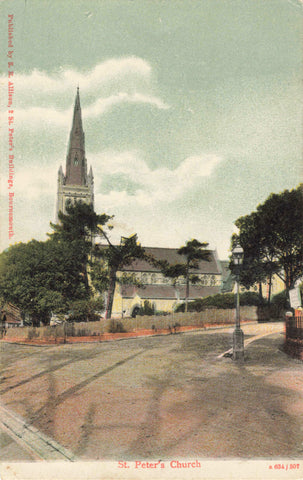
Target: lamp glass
x=237, y=255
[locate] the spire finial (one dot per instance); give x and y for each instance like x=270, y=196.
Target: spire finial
x=77, y=101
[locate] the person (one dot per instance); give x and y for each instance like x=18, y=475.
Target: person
x=3, y=322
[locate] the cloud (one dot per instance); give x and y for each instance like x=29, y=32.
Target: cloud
x=153, y=186
x=40, y=98
x=34, y=200
x=104, y=104
x=153, y=209
x=39, y=116
x=30, y=183
x=153, y=197
x=63, y=81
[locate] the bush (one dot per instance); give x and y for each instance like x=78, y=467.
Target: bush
x=32, y=333
x=222, y=301
x=276, y=310
x=251, y=299
x=147, y=309
x=84, y=310
x=116, y=327
x=281, y=300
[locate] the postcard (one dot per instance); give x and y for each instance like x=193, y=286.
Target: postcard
x=142, y=141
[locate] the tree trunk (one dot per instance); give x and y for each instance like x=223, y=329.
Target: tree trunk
x=85, y=276
x=111, y=292
x=269, y=289
x=35, y=320
x=260, y=292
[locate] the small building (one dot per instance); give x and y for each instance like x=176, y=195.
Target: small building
x=11, y=316
x=163, y=293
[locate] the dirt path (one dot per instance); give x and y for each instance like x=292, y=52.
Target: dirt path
x=161, y=397
x=266, y=329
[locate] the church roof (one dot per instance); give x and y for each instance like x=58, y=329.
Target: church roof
x=172, y=257
x=211, y=267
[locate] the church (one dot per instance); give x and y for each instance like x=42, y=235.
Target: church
x=161, y=293
x=76, y=184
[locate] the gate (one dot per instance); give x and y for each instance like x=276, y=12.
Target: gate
x=294, y=335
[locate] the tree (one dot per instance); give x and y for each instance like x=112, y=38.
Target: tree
x=85, y=310
x=116, y=257
x=40, y=278
x=255, y=268
x=192, y=252
x=45, y=277
x=78, y=227
x=128, y=279
x=271, y=239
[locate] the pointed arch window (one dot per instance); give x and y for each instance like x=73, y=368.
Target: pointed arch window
x=76, y=161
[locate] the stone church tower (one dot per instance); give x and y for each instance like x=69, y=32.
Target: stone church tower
x=76, y=184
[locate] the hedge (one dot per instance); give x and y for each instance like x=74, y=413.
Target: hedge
x=224, y=301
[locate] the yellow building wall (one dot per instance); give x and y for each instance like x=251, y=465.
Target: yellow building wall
x=276, y=287
x=126, y=305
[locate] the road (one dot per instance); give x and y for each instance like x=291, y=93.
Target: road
x=155, y=397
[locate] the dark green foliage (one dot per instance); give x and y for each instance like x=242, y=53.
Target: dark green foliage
x=272, y=239
x=116, y=327
x=251, y=299
x=276, y=310
x=192, y=252
x=221, y=301
x=281, y=300
x=80, y=224
x=116, y=257
x=147, y=309
x=77, y=228
x=85, y=310
x=47, y=277
x=40, y=277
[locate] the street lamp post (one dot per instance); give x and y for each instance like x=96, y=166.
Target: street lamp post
x=238, y=336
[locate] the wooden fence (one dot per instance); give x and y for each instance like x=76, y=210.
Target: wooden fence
x=197, y=319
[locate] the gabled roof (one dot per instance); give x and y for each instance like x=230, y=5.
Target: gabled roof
x=227, y=278
x=12, y=313
x=172, y=257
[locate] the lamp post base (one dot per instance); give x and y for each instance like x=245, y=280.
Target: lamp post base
x=238, y=344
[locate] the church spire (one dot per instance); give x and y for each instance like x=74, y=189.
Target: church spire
x=76, y=167
x=76, y=185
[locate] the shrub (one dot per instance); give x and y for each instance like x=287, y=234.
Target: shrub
x=276, y=310
x=251, y=299
x=32, y=333
x=147, y=309
x=281, y=300
x=222, y=301
x=116, y=327
x=84, y=310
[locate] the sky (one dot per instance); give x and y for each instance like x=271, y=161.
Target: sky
x=192, y=112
